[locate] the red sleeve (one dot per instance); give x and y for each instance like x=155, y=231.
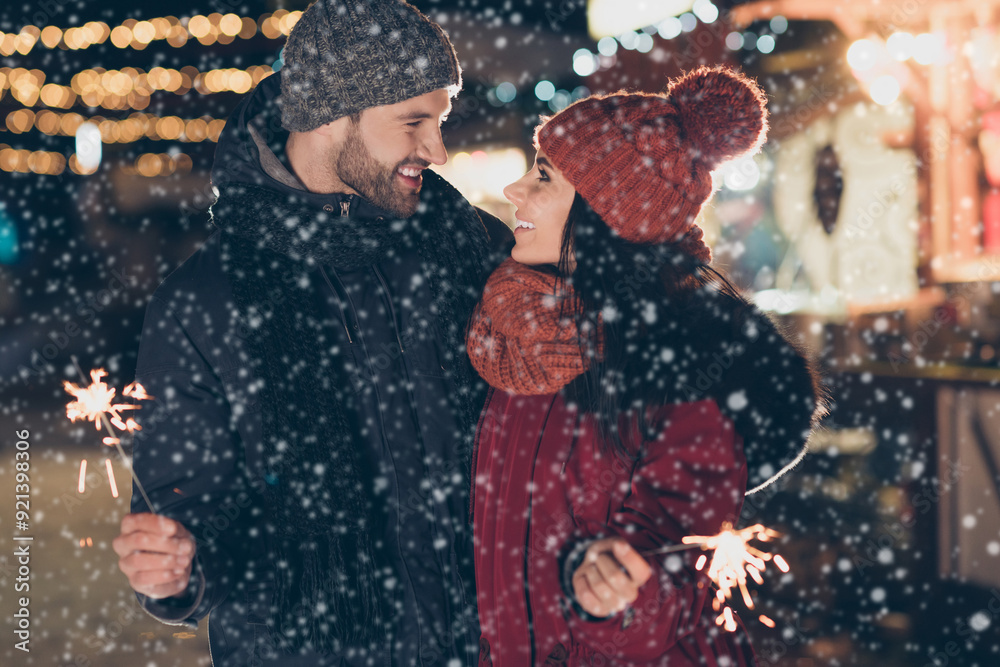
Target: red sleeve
x=687, y=482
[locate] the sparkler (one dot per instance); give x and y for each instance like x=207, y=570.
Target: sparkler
x=94, y=403
x=733, y=559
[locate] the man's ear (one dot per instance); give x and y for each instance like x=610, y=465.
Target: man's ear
x=334, y=130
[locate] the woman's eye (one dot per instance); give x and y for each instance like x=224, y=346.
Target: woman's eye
x=542, y=175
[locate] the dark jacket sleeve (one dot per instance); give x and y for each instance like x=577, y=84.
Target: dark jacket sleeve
x=687, y=482
x=189, y=460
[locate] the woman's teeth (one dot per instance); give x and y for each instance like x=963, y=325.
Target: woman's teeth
x=525, y=224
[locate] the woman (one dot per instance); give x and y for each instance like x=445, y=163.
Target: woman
x=635, y=394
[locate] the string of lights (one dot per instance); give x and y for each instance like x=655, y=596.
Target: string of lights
x=127, y=88
x=127, y=130
x=135, y=34
x=53, y=164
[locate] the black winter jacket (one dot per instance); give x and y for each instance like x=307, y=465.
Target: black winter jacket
x=196, y=452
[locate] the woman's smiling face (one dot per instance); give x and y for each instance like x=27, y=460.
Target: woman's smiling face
x=543, y=198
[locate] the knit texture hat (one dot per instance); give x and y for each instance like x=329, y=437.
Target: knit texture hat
x=643, y=161
x=344, y=56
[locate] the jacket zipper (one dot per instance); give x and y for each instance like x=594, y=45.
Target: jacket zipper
x=340, y=304
x=381, y=417
x=345, y=210
x=392, y=314
x=392, y=309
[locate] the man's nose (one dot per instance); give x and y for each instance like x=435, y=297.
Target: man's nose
x=432, y=148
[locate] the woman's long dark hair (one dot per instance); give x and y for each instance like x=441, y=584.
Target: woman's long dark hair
x=634, y=294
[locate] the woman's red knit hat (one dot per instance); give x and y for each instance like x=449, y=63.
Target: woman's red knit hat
x=643, y=161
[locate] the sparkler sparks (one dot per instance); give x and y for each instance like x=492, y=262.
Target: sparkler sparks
x=111, y=478
x=94, y=403
x=733, y=559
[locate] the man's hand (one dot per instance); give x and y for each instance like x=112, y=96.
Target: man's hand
x=156, y=554
x=609, y=577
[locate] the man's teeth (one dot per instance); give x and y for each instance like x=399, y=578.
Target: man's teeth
x=525, y=224
x=412, y=173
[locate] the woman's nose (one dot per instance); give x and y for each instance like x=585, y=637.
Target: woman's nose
x=513, y=191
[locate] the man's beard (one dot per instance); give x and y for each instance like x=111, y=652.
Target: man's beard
x=358, y=169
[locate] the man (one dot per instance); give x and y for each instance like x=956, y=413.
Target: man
x=308, y=452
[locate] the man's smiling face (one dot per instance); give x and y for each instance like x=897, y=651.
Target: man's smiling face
x=385, y=152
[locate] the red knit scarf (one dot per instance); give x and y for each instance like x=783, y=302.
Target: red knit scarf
x=522, y=338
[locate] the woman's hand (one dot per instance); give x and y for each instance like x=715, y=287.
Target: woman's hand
x=609, y=577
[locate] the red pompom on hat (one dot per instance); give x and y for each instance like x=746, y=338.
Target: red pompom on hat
x=643, y=161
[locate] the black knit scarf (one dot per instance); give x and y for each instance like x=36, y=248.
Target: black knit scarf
x=327, y=588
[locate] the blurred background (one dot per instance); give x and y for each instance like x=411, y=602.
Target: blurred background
x=869, y=226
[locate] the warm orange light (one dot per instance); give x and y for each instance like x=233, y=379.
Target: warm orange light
x=240, y=81
x=157, y=78
x=13, y=160
x=269, y=27
x=109, y=131
x=144, y=32
x=215, y=129
x=94, y=401
x=26, y=39
x=26, y=86
x=178, y=36
x=51, y=95
x=75, y=167
x=47, y=122
x=111, y=478
x=212, y=80
x=40, y=162
x=121, y=37
x=196, y=130
x=732, y=560
x=84, y=82
x=51, y=36
x=161, y=27
x=199, y=26
x=20, y=120
x=98, y=31
x=75, y=39
x=248, y=27
x=170, y=127
x=8, y=42
x=70, y=123
x=182, y=163
x=288, y=22
x=148, y=164
x=230, y=25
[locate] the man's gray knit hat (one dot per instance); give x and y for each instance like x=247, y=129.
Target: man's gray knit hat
x=344, y=56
